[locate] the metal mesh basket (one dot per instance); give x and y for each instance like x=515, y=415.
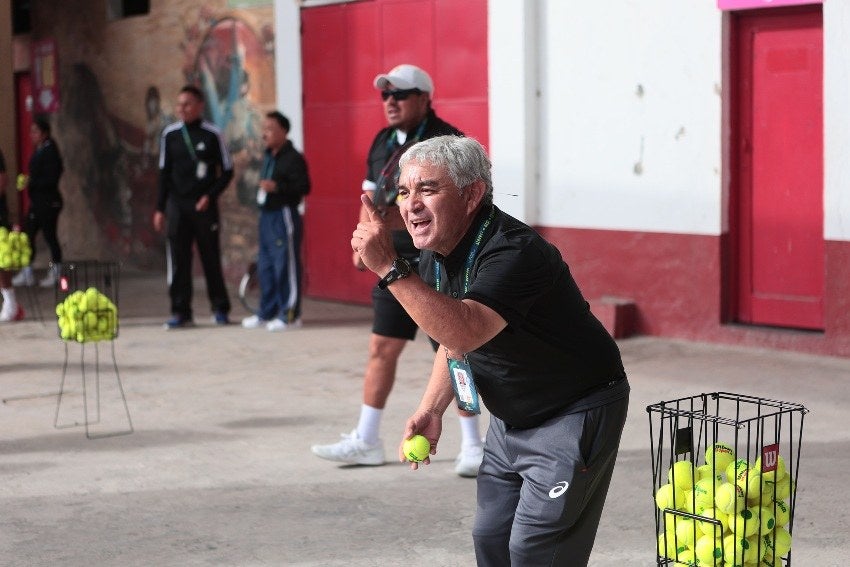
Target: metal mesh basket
x=724, y=473
x=86, y=294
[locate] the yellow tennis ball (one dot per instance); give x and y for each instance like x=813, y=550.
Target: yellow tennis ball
x=777, y=543
x=767, y=520
x=741, y=550
x=416, y=448
x=669, y=496
x=704, y=493
x=721, y=454
x=746, y=523
x=729, y=498
x=734, y=467
x=686, y=558
x=708, y=471
x=775, y=475
x=750, y=482
x=681, y=474
x=715, y=524
x=686, y=532
x=667, y=546
x=782, y=489
x=709, y=550
x=782, y=511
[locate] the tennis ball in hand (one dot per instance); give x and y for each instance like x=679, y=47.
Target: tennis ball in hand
x=416, y=448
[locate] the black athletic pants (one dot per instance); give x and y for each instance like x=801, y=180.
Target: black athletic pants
x=186, y=227
x=45, y=219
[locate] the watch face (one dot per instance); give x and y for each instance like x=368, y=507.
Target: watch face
x=401, y=266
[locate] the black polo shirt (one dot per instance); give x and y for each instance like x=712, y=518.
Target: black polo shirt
x=554, y=354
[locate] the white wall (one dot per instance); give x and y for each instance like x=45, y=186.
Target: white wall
x=629, y=114
x=836, y=120
x=287, y=54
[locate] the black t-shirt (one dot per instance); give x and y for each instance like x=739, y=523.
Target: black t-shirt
x=553, y=352
x=382, y=168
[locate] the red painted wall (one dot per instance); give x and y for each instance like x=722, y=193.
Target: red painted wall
x=343, y=47
x=677, y=282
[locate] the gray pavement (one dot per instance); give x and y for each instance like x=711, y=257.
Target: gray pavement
x=218, y=470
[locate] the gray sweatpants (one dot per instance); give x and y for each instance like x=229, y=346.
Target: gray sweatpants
x=541, y=490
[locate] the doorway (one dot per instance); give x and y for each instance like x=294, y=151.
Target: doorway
x=776, y=220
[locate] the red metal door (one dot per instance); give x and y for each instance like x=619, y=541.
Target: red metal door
x=780, y=168
x=23, y=122
x=343, y=47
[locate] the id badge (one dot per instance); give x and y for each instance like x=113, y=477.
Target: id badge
x=463, y=384
x=201, y=170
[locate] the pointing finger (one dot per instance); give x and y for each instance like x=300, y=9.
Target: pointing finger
x=371, y=209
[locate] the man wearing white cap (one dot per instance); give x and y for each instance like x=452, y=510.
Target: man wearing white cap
x=406, y=91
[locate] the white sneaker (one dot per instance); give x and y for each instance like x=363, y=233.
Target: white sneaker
x=468, y=461
x=49, y=279
x=253, y=322
x=24, y=278
x=351, y=450
x=277, y=325
x=11, y=312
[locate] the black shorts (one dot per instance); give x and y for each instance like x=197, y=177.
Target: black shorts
x=390, y=318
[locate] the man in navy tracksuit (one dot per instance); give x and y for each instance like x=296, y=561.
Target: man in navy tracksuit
x=195, y=168
x=284, y=184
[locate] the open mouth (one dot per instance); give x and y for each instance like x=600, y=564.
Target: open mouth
x=420, y=225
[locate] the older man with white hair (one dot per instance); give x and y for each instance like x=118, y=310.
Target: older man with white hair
x=514, y=329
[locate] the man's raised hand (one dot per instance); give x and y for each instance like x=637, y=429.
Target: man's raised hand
x=372, y=240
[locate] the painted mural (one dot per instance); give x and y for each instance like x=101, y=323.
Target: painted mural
x=114, y=159
x=234, y=66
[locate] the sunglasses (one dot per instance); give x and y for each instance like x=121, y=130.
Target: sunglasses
x=399, y=94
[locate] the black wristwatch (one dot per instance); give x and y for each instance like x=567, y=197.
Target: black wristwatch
x=399, y=271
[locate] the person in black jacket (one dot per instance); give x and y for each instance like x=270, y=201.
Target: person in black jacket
x=284, y=183
x=45, y=169
x=406, y=92
x=195, y=168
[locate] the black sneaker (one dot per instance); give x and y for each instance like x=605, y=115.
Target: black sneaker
x=178, y=322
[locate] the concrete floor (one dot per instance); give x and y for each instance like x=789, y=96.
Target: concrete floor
x=218, y=469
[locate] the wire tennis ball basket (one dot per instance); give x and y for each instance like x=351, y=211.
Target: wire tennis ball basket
x=86, y=294
x=724, y=471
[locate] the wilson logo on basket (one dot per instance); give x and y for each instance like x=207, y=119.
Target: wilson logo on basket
x=769, y=457
x=559, y=489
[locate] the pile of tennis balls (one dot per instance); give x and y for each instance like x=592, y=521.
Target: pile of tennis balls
x=15, y=250
x=87, y=316
x=746, y=512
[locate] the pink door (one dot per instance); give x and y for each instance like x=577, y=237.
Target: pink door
x=779, y=149
x=343, y=47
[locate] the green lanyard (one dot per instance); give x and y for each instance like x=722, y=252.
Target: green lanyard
x=188, y=141
x=473, y=252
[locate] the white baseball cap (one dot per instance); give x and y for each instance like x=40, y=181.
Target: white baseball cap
x=406, y=77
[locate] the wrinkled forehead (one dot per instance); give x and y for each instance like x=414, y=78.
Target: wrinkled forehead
x=417, y=173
